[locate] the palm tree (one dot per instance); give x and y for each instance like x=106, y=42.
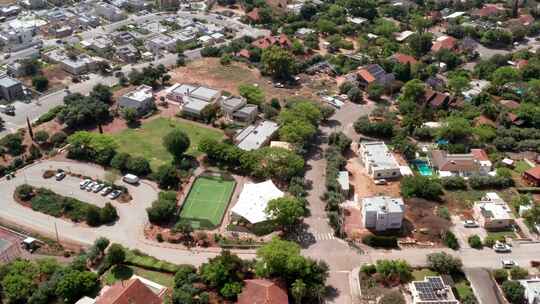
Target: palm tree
x=298, y=290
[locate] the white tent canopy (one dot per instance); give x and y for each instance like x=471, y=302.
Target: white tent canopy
x=253, y=201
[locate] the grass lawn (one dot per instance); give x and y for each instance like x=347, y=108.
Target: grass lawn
x=521, y=166
x=207, y=201
x=146, y=141
x=463, y=289
x=135, y=258
x=420, y=274
x=499, y=234
x=124, y=272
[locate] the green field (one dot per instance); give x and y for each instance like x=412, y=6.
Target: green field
x=207, y=201
x=124, y=272
x=146, y=141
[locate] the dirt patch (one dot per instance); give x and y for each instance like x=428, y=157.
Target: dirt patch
x=364, y=185
x=209, y=72
x=421, y=221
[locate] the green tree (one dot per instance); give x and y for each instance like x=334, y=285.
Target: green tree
x=458, y=83
x=138, y=165
x=413, y=90
x=119, y=161
x=500, y=275
x=450, y=240
x=298, y=291
x=393, y=297
x=518, y=273
x=75, y=284
x=41, y=137
x=475, y=241
x=102, y=93
x=116, y=254
x=167, y=177
x=253, y=94
x=224, y=272
x=421, y=186
x=391, y=271
x=162, y=209
x=504, y=75
x=456, y=129
x=420, y=43
x=108, y=214
x=444, y=263
x=278, y=62
x=286, y=211
x=176, y=142
x=130, y=115
x=13, y=143
x=514, y=292
x=40, y=83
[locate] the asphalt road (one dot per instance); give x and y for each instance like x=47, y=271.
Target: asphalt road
x=484, y=287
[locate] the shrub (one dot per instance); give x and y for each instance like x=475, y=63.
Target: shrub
x=444, y=263
x=450, y=240
x=454, y=183
x=368, y=269
x=518, y=273
x=490, y=182
x=475, y=241
x=380, y=241
x=421, y=186
x=444, y=213
x=24, y=192
x=41, y=136
x=514, y=292
x=50, y=115
x=58, y=138
x=108, y=214
x=500, y=275
x=393, y=297
x=138, y=166
x=490, y=240
x=163, y=209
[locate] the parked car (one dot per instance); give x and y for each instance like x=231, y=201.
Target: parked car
x=7, y=109
x=84, y=183
x=502, y=247
x=131, y=179
x=114, y=194
x=470, y=224
x=105, y=191
x=98, y=188
x=509, y=263
x=90, y=186
x=60, y=176
x=381, y=181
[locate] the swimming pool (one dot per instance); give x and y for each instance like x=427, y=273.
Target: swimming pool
x=423, y=167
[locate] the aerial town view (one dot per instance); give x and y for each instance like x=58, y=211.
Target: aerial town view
x=269, y=152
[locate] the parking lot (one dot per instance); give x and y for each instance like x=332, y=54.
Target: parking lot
x=463, y=233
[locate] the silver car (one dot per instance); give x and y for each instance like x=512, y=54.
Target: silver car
x=105, y=191
x=115, y=194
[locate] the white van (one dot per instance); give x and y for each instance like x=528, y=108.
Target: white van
x=131, y=179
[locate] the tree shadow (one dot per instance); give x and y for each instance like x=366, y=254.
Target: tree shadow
x=301, y=236
x=122, y=272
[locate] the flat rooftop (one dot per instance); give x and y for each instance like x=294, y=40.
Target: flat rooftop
x=254, y=136
x=379, y=155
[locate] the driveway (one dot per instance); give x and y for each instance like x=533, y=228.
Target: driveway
x=463, y=233
x=128, y=230
x=484, y=287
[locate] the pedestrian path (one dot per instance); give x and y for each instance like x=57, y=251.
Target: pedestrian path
x=320, y=236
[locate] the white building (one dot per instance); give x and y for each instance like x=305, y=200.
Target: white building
x=493, y=213
x=141, y=99
x=378, y=160
x=254, y=137
x=18, y=39
x=192, y=99
x=253, y=199
x=532, y=290
x=382, y=212
x=109, y=12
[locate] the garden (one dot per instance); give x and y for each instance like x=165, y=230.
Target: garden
x=51, y=203
x=146, y=141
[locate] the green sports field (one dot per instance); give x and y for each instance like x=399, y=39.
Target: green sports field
x=207, y=201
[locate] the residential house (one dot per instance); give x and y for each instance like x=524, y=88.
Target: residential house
x=168, y=4
x=268, y=41
x=532, y=290
x=378, y=160
x=16, y=39
x=192, y=99
x=476, y=87
x=10, y=88
x=493, y=213
x=444, y=42
x=403, y=59
x=262, y=291
x=522, y=20
x=141, y=99
x=404, y=35
x=256, y=136
x=60, y=30
x=465, y=165
x=237, y=109
x=76, y=65
x=33, y=4
x=99, y=44
x=532, y=176
x=382, y=213
x=303, y=32
x=161, y=42
x=509, y=104
x=432, y=290
x=253, y=15
x=122, y=38
x=109, y=12
x=127, y=53
x=10, y=10
x=136, y=290
x=488, y=10
x=371, y=74
x=437, y=100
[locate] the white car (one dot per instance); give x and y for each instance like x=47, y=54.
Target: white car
x=502, y=247
x=90, y=186
x=470, y=224
x=105, y=191
x=381, y=181
x=98, y=187
x=509, y=263
x=84, y=183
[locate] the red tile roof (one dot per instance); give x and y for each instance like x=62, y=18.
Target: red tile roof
x=366, y=75
x=254, y=14
x=262, y=292
x=404, y=58
x=488, y=10
x=268, y=41
x=534, y=172
x=479, y=154
x=446, y=43
x=132, y=291
x=483, y=120
x=509, y=104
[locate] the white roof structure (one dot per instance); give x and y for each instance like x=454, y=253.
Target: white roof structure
x=454, y=15
x=404, y=35
x=253, y=201
x=86, y=300
x=532, y=290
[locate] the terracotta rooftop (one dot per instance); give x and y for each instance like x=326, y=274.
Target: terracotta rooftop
x=254, y=14
x=488, y=10
x=534, y=172
x=132, y=291
x=447, y=42
x=262, y=292
x=453, y=162
x=404, y=58
x=479, y=154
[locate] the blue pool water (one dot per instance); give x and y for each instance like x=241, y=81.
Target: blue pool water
x=423, y=167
